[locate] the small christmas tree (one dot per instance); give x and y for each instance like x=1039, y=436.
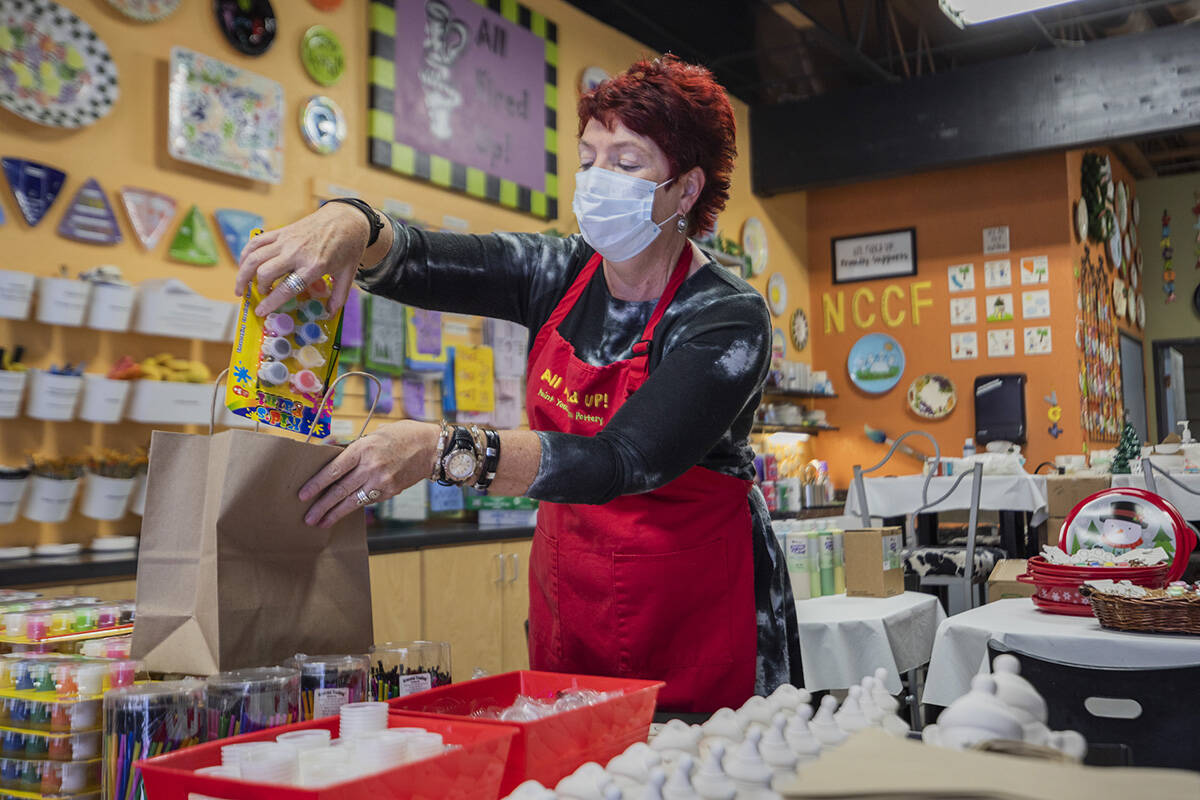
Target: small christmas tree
x=1129, y=448
x=1164, y=541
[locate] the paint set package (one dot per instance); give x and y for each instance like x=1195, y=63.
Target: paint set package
x=282, y=363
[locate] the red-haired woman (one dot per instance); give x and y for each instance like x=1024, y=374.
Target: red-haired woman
x=653, y=555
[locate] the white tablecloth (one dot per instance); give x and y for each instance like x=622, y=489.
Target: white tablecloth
x=960, y=651
x=845, y=638
x=1188, y=504
x=894, y=497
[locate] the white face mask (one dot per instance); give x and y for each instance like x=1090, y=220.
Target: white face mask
x=614, y=212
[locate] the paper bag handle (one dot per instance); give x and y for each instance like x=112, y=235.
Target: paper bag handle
x=370, y=413
x=212, y=419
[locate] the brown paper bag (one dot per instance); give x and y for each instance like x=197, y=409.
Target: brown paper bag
x=229, y=576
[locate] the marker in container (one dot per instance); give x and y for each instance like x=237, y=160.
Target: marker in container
x=279, y=324
x=276, y=347
x=313, y=310
x=273, y=373
x=310, y=357
x=306, y=382
x=309, y=333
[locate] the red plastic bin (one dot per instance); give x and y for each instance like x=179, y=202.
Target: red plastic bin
x=470, y=772
x=549, y=749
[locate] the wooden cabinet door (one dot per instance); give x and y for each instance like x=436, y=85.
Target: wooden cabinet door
x=516, y=604
x=396, y=596
x=109, y=591
x=461, y=604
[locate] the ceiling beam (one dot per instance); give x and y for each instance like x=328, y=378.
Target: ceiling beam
x=1120, y=88
x=853, y=57
x=1134, y=159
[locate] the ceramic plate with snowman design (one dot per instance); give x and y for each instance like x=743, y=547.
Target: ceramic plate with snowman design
x=1124, y=519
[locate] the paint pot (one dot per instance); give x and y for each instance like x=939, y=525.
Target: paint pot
x=273, y=373
x=309, y=333
x=306, y=382
x=313, y=310
x=321, y=288
x=310, y=357
x=277, y=347
x=279, y=324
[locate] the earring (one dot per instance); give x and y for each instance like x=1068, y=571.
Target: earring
x=682, y=225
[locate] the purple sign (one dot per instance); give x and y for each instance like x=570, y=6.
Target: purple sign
x=471, y=87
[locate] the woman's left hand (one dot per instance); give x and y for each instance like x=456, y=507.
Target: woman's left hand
x=388, y=461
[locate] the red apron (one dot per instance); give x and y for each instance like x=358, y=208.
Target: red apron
x=657, y=585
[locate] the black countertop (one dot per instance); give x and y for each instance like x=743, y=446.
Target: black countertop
x=389, y=538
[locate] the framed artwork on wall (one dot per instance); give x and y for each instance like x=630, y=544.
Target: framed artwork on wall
x=467, y=98
x=869, y=256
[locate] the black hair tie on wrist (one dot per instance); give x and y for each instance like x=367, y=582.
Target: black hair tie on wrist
x=373, y=218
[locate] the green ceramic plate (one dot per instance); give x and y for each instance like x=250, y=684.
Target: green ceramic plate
x=322, y=55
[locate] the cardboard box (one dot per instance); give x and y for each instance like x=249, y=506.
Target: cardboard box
x=874, y=565
x=1002, y=583
x=1064, y=492
x=1049, y=532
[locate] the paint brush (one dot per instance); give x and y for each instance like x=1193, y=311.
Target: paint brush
x=879, y=437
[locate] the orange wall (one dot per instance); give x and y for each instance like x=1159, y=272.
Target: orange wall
x=949, y=210
x=127, y=147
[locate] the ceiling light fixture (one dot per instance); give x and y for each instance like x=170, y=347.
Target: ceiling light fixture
x=973, y=12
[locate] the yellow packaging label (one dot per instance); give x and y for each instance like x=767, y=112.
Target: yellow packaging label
x=282, y=363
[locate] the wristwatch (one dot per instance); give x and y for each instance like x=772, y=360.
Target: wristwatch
x=460, y=459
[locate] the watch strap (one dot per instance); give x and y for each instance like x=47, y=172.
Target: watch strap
x=491, y=459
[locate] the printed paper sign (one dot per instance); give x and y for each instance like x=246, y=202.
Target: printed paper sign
x=1035, y=304
x=1035, y=269
x=999, y=307
x=1001, y=343
x=964, y=345
x=997, y=274
x=961, y=277
x=962, y=311
x=474, y=385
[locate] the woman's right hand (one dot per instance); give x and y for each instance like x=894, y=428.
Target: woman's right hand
x=331, y=240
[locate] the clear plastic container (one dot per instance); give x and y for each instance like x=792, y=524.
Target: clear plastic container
x=399, y=669
x=329, y=682
x=50, y=746
x=245, y=700
x=49, y=778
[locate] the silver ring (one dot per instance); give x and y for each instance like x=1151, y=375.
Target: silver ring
x=374, y=494
x=362, y=498
x=295, y=283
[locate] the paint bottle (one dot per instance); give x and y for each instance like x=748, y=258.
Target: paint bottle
x=969, y=447
x=797, y=551
x=825, y=558
x=814, y=562
x=839, y=561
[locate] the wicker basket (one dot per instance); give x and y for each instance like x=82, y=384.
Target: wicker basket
x=1156, y=612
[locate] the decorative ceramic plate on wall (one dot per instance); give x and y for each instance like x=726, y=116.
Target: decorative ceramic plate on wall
x=1131, y=304
x=777, y=294
x=224, y=118
x=1119, y=297
x=323, y=125
x=146, y=10
x=1137, y=212
x=932, y=396
x=54, y=69
x=1122, y=204
x=1081, y=217
x=248, y=25
x=322, y=55
x=1114, y=249
x=799, y=329
x=875, y=363
x=1141, y=310
x=754, y=243
x=591, y=78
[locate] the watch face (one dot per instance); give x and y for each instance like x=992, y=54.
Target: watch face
x=460, y=465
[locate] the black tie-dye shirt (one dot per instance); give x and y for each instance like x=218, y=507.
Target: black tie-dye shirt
x=708, y=361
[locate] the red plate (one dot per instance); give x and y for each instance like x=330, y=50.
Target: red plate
x=1125, y=518
x=1067, y=609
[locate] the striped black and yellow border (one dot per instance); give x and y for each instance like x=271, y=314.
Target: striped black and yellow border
x=387, y=153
